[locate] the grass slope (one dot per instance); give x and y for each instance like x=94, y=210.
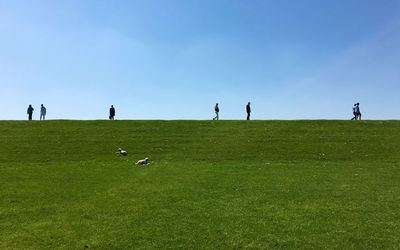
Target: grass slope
x=212, y=184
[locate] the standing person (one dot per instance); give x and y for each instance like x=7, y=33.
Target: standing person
x=354, y=112
x=216, y=108
x=112, y=112
x=358, y=112
x=30, y=112
x=43, y=111
x=248, y=110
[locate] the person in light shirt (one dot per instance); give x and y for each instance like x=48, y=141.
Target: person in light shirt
x=216, y=109
x=43, y=112
x=354, y=112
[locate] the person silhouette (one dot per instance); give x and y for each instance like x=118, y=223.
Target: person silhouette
x=216, y=108
x=112, y=112
x=248, y=110
x=43, y=112
x=358, y=112
x=354, y=112
x=30, y=112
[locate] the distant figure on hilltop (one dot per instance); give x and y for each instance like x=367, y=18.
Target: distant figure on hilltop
x=357, y=111
x=354, y=112
x=30, y=112
x=248, y=110
x=112, y=112
x=216, y=108
x=43, y=112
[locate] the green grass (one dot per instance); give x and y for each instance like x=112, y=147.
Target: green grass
x=211, y=185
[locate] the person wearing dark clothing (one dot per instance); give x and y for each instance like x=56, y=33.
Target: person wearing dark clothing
x=354, y=113
x=30, y=112
x=216, y=108
x=248, y=110
x=112, y=112
x=358, y=112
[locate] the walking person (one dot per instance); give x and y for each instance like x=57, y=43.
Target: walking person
x=30, y=112
x=43, y=112
x=248, y=110
x=112, y=112
x=358, y=112
x=354, y=112
x=216, y=108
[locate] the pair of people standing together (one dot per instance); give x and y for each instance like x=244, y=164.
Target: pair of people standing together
x=356, y=112
x=216, y=109
x=43, y=112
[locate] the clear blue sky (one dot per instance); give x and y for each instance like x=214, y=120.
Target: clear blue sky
x=293, y=59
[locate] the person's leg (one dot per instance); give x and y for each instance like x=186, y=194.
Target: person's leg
x=248, y=116
x=359, y=116
x=44, y=117
x=217, y=117
x=30, y=117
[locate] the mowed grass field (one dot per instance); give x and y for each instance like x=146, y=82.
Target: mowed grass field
x=210, y=185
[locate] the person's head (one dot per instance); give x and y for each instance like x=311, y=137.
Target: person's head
x=112, y=106
x=358, y=104
x=41, y=105
x=248, y=103
x=30, y=105
x=216, y=104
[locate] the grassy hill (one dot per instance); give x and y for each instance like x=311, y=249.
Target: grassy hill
x=211, y=184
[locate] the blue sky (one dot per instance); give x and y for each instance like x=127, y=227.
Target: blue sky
x=292, y=59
